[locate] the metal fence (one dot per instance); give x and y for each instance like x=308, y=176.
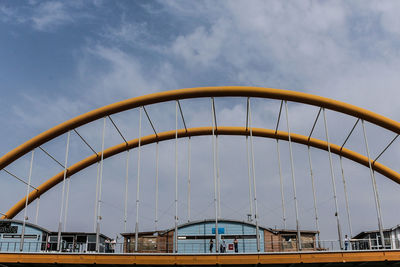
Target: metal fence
x=202, y=246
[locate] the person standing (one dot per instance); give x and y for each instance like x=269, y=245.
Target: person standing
x=211, y=245
x=223, y=250
x=236, y=245
x=346, y=242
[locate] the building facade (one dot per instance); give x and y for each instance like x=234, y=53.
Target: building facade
x=199, y=237
x=34, y=239
x=372, y=239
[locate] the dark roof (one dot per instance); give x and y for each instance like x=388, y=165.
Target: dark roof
x=274, y=231
x=26, y=223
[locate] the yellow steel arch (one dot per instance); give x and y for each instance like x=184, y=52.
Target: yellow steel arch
x=226, y=91
x=267, y=133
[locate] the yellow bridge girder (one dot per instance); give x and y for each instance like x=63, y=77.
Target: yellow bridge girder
x=210, y=259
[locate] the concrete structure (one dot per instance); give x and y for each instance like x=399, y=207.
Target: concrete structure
x=11, y=232
x=195, y=237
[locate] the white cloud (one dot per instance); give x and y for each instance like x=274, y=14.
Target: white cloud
x=49, y=15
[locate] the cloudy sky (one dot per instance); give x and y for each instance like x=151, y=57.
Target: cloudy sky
x=59, y=59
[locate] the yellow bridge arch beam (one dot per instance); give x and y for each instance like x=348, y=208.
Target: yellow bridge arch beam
x=199, y=131
x=225, y=91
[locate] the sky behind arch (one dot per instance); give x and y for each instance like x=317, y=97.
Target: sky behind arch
x=60, y=59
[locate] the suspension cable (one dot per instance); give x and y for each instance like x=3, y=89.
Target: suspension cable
x=189, y=178
x=97, y=197
x=293, y=178
x=115, y=126
x=215, y=177
x=249, y=175
x=126, y=191
x=138, y=182
x=63, y=192
x=312, y=177
x=176, y=179
x=279, y=117
x=248, y=162
x=87, y=144
x=254, y=180
x=156, y=209
x=19, y=179
x=53, y=158
x=183, y=118
x=21, y=247
x=100, y=188
x=37, y=210
x=374, y=188
x=314, y=196
x=151, y=123
x=384, y=150
x=333, y=180
x=315, y=123
x=280, y=168
x=346, y=197
x=348, y=136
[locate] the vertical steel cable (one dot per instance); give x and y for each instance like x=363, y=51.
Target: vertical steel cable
x=281, y=184
x=63, y=192
x=156, y=211
x=333, y=180
x=138, y=182
x=218, y=176
x=314, y=195
x=189, y=174
x=21, y=246
x=375, y=189
x=176, y=178
x=126, y=190
x=254, y=180
x=66, y=204
x=97, y=197
x=37, y=210
x=249, y=175
x=215, y=180
x=293, y=179
x=346, y=197
x=100, y=188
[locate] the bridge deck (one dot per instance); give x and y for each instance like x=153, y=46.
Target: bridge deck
x=180, y=259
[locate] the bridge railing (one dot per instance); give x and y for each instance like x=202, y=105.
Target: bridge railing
x=202, y=246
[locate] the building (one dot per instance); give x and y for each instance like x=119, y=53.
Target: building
x=195, y=237
x=77, y=242
x=38, y=239
x=372, y=239
x=11, y=233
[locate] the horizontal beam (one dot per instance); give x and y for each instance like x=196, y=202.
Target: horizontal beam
x=210, y=259
x=200, y=131
x=226, y=91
